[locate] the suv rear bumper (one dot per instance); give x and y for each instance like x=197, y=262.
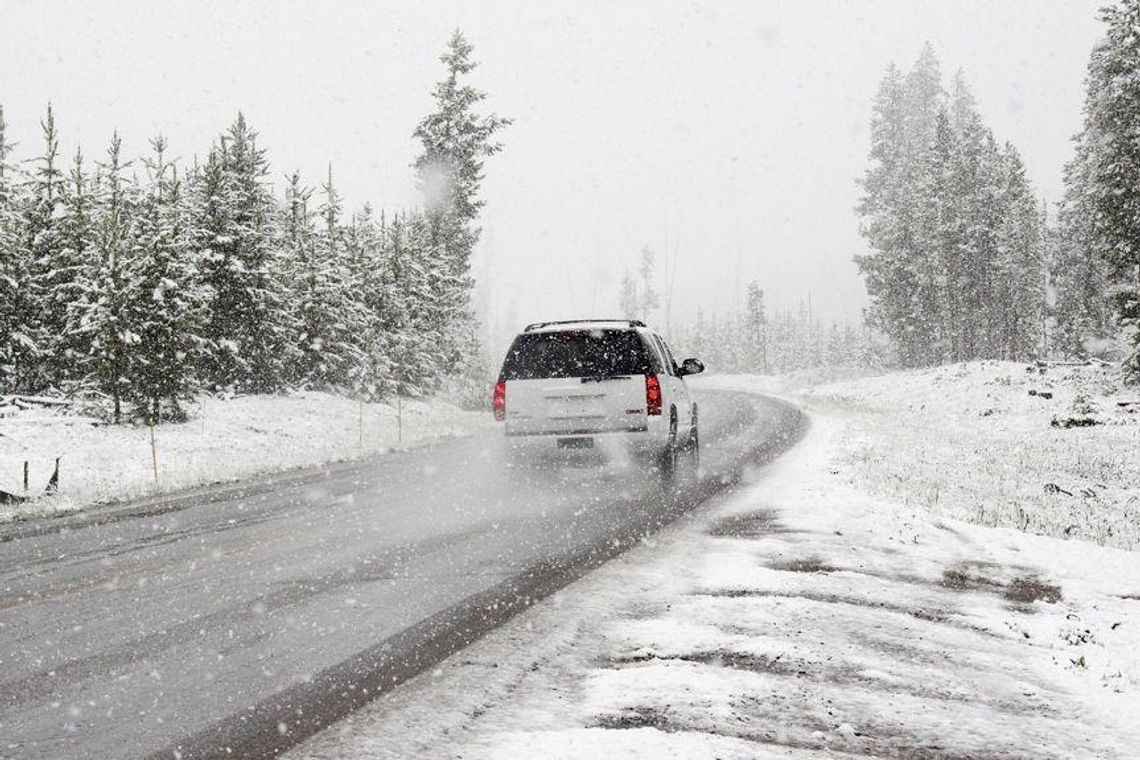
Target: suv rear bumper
x=635, y=428
x=573, y=432
x=650, y=437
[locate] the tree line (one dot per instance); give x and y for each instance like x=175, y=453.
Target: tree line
x=785, y=340
x=751, y=341
x=957, y=268
x=144, y=282
x=965, y=262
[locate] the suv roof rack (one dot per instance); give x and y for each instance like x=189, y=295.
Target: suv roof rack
x=539, y=325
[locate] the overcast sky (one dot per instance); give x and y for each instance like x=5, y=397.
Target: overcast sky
x=735, y=130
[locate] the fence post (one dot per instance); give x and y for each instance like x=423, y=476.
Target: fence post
x=25, y=476
x=153, y=452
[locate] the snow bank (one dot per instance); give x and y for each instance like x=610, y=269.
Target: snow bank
x=224, y=440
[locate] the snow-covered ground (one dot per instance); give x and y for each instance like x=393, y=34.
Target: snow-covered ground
x=813, y=613
x=225, y=439
x=999, y=443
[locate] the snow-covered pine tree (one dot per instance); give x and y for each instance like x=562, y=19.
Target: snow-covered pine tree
x=937, y=199
x=1019, y=295
x=1110, y=142
x=298, y=240
x=209, y=223
x=935, y=259
x=455, y=140
x=978, y=182
x=165, y=299
x=11, y=263
x=1078, y=271
x=439, y=322
x=327, y=314
x=889, y=219
x=414, y=344
x=370, y=376
x=105, y=320
x=756, y=330
x=923, y=96
x=79, y=261
x=919, y=203
x=460, y=368
x=41, y=314
x=248, y=320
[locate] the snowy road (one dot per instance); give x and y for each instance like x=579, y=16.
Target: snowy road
x=266, y=612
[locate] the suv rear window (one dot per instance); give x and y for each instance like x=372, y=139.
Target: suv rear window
x=576, y=353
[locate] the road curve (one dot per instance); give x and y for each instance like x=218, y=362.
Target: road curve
x=242, y=625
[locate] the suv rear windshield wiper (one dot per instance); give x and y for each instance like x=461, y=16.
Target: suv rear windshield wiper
x=603, y=378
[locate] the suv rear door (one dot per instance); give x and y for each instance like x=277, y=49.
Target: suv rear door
x=676, y=390
x=576, y=382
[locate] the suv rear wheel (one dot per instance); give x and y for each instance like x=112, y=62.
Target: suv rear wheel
x=671, y=453
x=694, y=446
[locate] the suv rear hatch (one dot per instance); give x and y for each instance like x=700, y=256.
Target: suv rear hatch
x=576, y=382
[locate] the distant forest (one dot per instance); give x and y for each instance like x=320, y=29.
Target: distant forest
x=965, y=261
x=142, y=282
x=754, y=340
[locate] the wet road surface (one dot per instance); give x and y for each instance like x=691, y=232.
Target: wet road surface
x=236, y=621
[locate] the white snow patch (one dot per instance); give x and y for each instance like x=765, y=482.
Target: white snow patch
x=225, y=439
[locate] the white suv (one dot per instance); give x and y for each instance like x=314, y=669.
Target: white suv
x=564, y=384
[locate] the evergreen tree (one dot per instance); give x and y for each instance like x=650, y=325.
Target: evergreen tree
x=1109, y=148
x=11, y=265
x=165, y=299
x=1079, y=273
x=371, y=375
x=298, y=233
x=40, y=306
x=103, y=302
x=1018, y=303
x=247, y=323
x=78, y=263
x=455, y=140
x=888, y=220
x=414, y=349
x=923, y=97
x=979, y=179
x=327, y=313
x=756, y=330
x=955, y=270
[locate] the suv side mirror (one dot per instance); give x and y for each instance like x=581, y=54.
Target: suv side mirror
x=691, y=367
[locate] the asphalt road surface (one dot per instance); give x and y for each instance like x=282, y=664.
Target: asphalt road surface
x=237, y=621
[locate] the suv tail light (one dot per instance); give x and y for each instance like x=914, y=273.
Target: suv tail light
x=652, y=395
x=499, y=401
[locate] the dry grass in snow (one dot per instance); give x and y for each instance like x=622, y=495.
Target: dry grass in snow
x=1000, y=444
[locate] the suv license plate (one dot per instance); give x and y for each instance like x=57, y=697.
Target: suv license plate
x=575, y=443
